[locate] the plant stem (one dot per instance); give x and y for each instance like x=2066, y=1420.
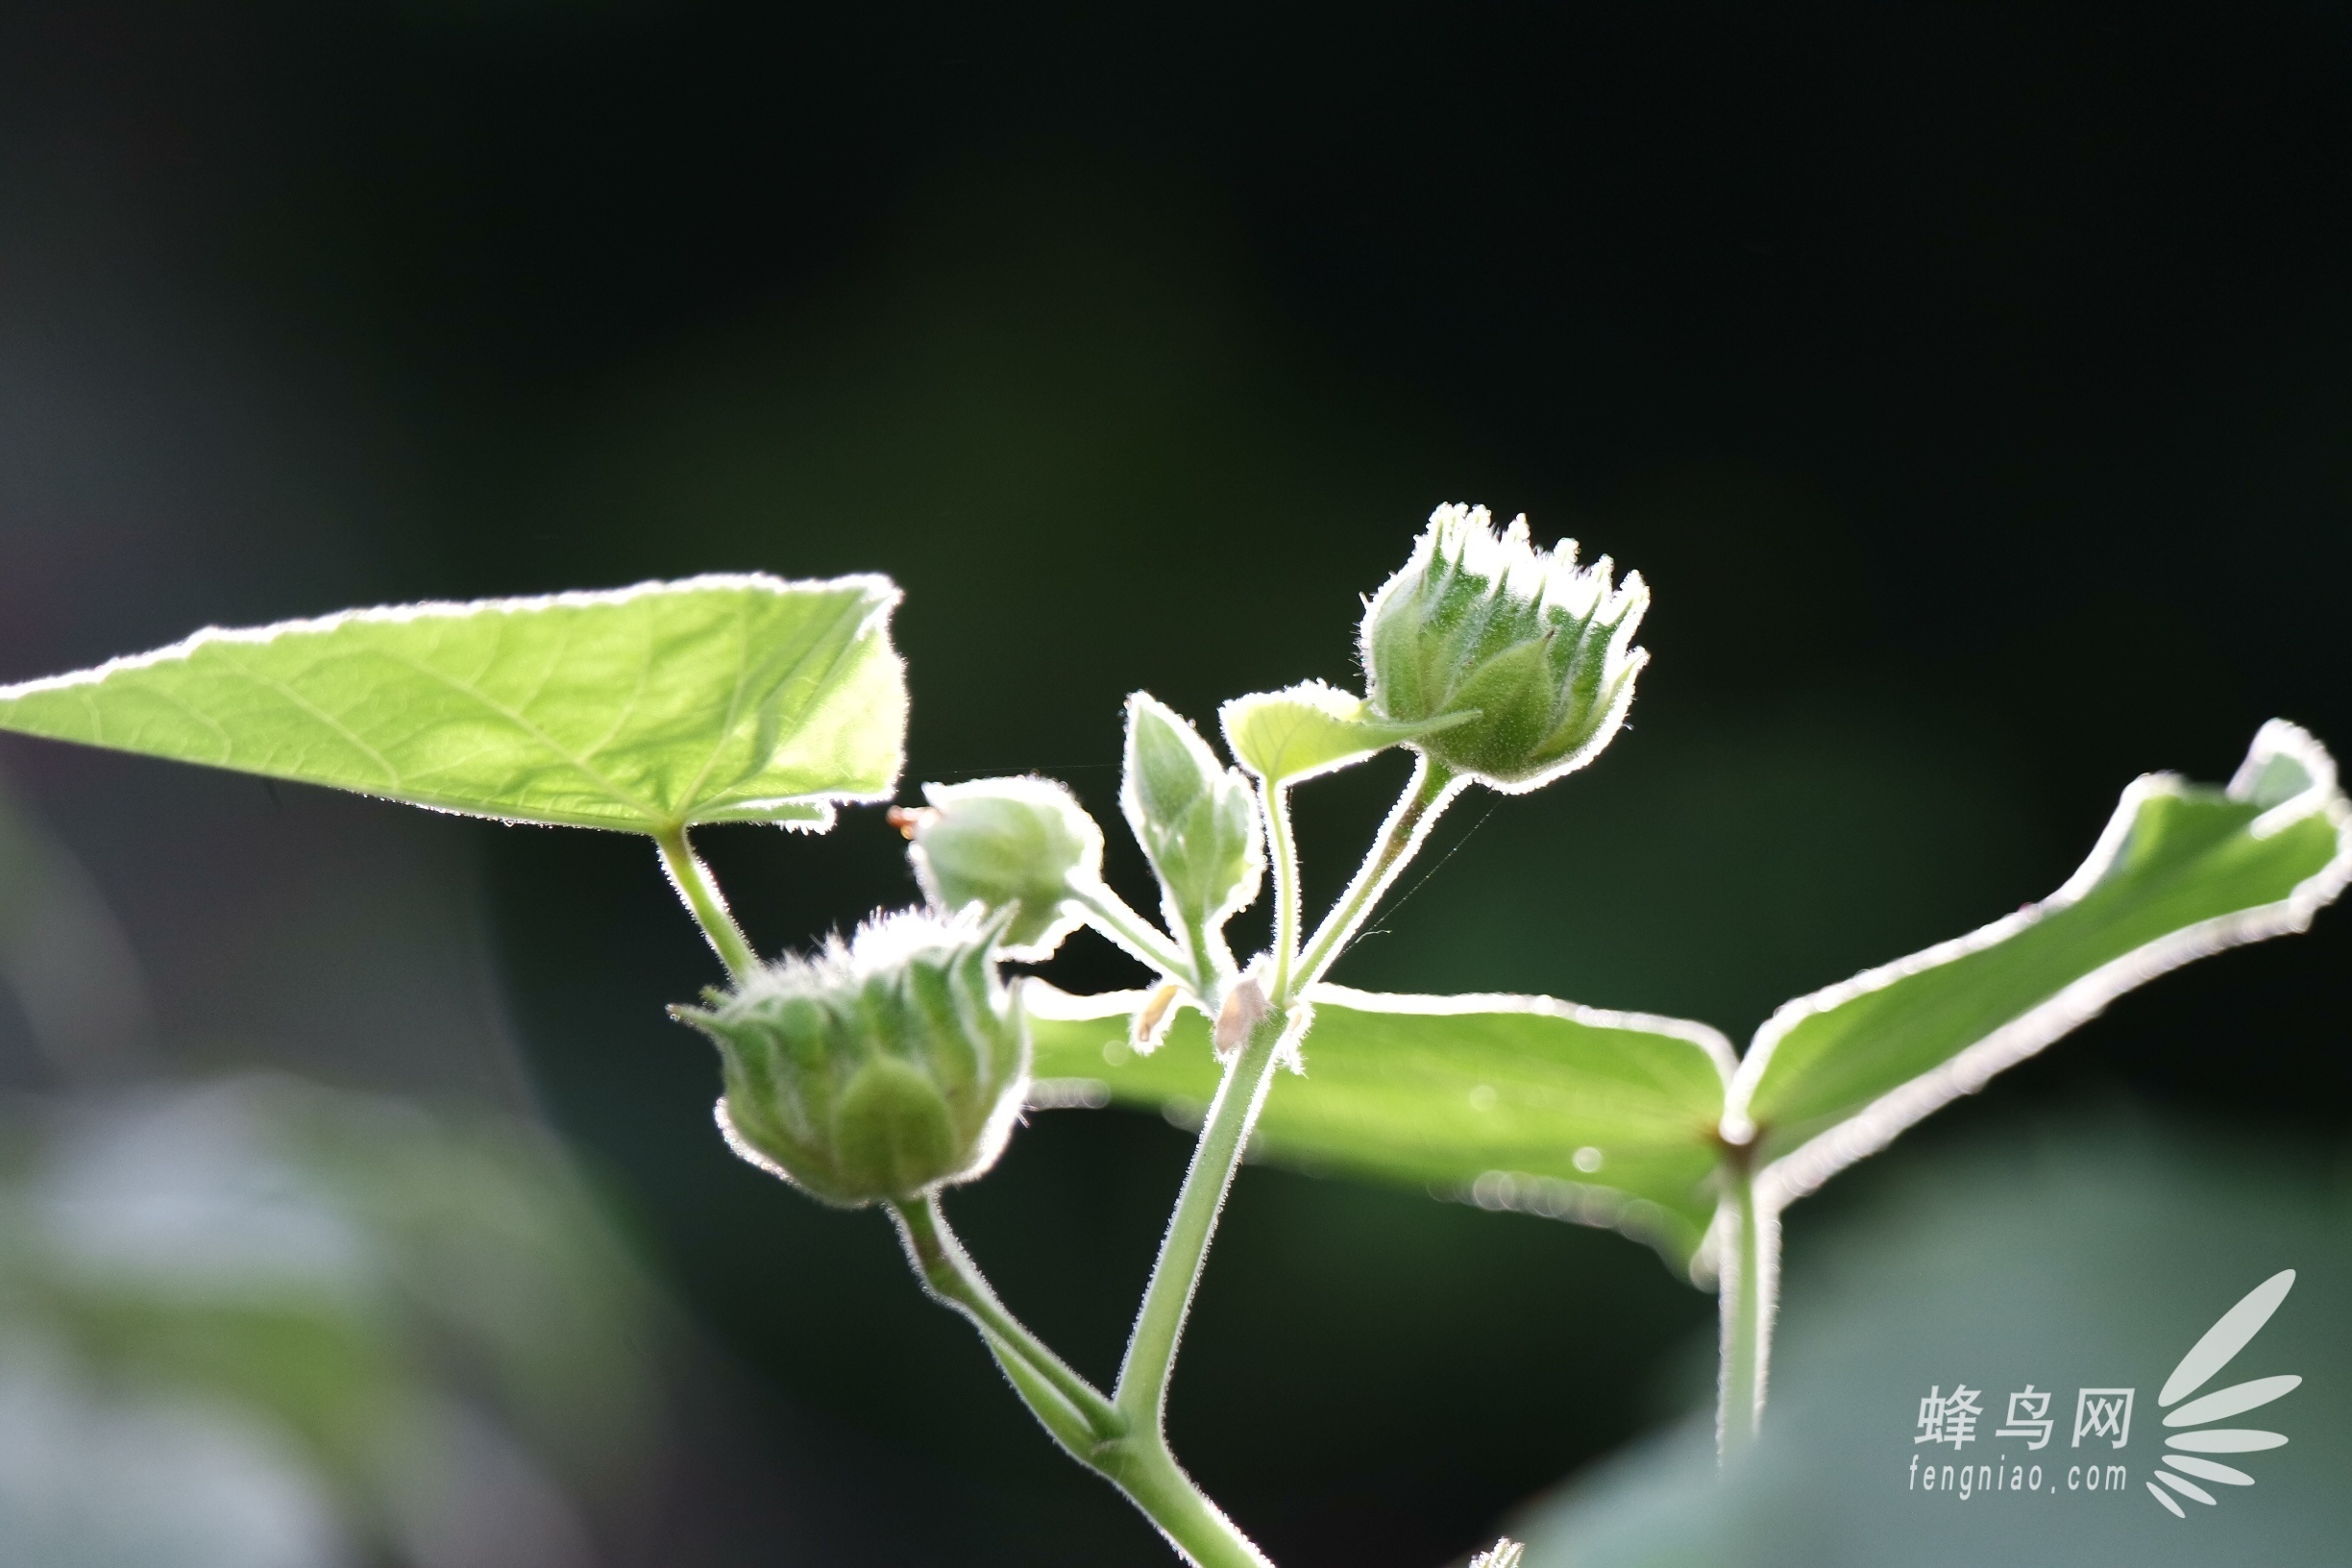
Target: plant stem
x=700, y=890
x=1151, y=1350
x=1109, y=914
x=1224, y=1137
x=1093, y=1429
x=1128, y=1443
x=1430, y=790
x=1195, y=1526
x=948, y=1273
x=1283, y=856
x=1749, y=1283
x=1209, y=969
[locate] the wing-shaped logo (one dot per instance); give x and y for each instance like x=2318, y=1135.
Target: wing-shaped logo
x=2198, y=1437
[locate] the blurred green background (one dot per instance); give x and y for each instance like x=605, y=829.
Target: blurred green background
x=1972, y=384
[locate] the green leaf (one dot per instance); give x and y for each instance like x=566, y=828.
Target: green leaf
x=718, y=699
x=1519, y=1102
x=1313, y=728
x=2182, y=871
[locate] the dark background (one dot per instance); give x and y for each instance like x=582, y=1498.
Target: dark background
x=1972, y=384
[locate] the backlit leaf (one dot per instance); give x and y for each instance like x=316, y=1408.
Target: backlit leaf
x=717, y=698
x=1518, y=1102
x=1313, y=728
x=2183, y=870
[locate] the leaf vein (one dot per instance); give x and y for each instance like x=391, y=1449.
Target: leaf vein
x=520, y=721
x=327, y=720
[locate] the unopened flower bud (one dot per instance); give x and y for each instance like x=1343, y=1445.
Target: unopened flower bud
x=1196, y=821
x=1539, y=646
x=1021, y=846
x=881, y=1068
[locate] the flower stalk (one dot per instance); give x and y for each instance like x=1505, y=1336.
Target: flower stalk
x=1748, y=1287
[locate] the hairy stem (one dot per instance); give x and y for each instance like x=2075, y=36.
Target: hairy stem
x=700, y=891
x=1195, y=1526
x=1748, y=1284
x=1283, y=857
x=1107, y=913
x=948, y=1273
x=1092, y=1429
x=1128, y=1445
x=1210, y=967
x=1151, y=1350
x=1431, y=788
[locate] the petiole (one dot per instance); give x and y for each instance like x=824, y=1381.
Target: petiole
x=1109, y=914
x=1431, y=788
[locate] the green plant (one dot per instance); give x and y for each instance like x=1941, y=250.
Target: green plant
x=887, y=1068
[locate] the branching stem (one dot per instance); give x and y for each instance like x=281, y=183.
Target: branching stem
x=1124, y=1437
x=950, y=1276
x=1092, y=1429
x=1142, y=1393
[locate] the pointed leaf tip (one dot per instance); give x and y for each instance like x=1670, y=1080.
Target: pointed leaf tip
x=717, y=698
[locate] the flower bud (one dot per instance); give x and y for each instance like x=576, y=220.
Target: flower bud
x=1197, y=821
x=878, y=1069
x=1017, y=844
x=1537, y=645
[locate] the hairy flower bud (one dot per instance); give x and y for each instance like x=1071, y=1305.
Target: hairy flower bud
x=1539, y=646
x=1017, y=844
x=1197, y=821
x=879, y=1068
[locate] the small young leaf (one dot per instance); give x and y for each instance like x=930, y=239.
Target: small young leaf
x=1197, y=821
x=2183, y=870
x=1518, y=1102
x=717, y=698
x=1313, y=728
